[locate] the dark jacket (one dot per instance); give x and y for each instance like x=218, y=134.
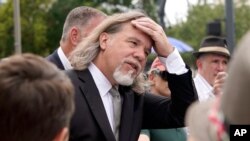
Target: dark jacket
x=90, y=122
x=54, y=58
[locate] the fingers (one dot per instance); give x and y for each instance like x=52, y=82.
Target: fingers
x=217, y=89
x=219, y=82
x=221, y=75
x=148, y=23
x=155, y=31
x=148, y=26
x=220, y=78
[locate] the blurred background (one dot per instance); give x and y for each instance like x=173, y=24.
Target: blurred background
x=187, y=21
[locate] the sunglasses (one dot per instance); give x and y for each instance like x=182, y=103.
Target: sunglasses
x=162, y=74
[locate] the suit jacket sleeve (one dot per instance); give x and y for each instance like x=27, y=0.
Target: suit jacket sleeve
x=161, y=112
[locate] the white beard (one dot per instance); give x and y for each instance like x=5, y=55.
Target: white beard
x=123, y=79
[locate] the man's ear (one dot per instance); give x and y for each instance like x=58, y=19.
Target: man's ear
x=103, y=39
x=74, y=35
x=62, y=135
x=198, y=63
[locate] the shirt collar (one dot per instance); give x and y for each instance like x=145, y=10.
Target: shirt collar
x=102, y=83
x=201, y=78
x=65, y=62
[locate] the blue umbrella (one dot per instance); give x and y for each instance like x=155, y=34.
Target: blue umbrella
x=180, y=45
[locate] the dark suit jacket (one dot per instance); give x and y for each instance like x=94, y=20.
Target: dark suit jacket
x=90, y=122
x=54, y=58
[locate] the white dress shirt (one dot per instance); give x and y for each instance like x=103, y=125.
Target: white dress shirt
x=65, y=61
x=173, y=62
x=204, y=89
x=103, y=85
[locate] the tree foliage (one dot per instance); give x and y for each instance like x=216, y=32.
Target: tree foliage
x=6, y=30
x=242, y=18
x=33, y=26
x=194, y=28
x=55, y=20
x=42, y=22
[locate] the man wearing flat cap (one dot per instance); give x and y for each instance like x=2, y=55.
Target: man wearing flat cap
x=211, y=60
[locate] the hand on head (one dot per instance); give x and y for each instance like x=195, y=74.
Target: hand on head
x=161, y=45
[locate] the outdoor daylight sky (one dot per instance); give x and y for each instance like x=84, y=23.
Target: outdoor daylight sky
x=3, y=1
x=177, y=10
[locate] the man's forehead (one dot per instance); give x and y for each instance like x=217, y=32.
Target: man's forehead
x=140, y=37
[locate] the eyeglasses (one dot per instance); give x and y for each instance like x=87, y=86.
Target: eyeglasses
x=162, y=74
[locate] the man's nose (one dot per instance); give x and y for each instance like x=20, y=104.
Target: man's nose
x=222, y=66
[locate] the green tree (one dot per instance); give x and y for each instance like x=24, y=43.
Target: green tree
x=194, y=28
x=6, y=30
x=42, y=22
x=55, y=20
x=58, y=12
x=242, y=18
x=33, y=26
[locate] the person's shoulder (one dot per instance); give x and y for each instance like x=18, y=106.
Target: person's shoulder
x=51, y=56
x=75, y=75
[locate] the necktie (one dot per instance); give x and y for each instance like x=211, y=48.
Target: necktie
x=116, y=110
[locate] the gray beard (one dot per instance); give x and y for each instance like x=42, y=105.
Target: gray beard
x=123, y=79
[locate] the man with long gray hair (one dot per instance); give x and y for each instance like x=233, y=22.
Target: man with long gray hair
x=111, y=104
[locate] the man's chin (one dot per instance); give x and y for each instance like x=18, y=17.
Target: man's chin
x=126, y=83
x=122, y=78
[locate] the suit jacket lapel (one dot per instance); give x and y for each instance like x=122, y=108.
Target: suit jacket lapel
x=127, y=113
x=90, y=92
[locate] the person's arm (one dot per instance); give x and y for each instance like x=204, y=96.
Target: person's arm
x=160, y=112
x=168, y=55
x=161, y=44
x=174, y=63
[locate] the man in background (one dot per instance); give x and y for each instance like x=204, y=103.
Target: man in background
x=211, y=61
x=211, y=120
x=36, y=100
x=79, y=23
